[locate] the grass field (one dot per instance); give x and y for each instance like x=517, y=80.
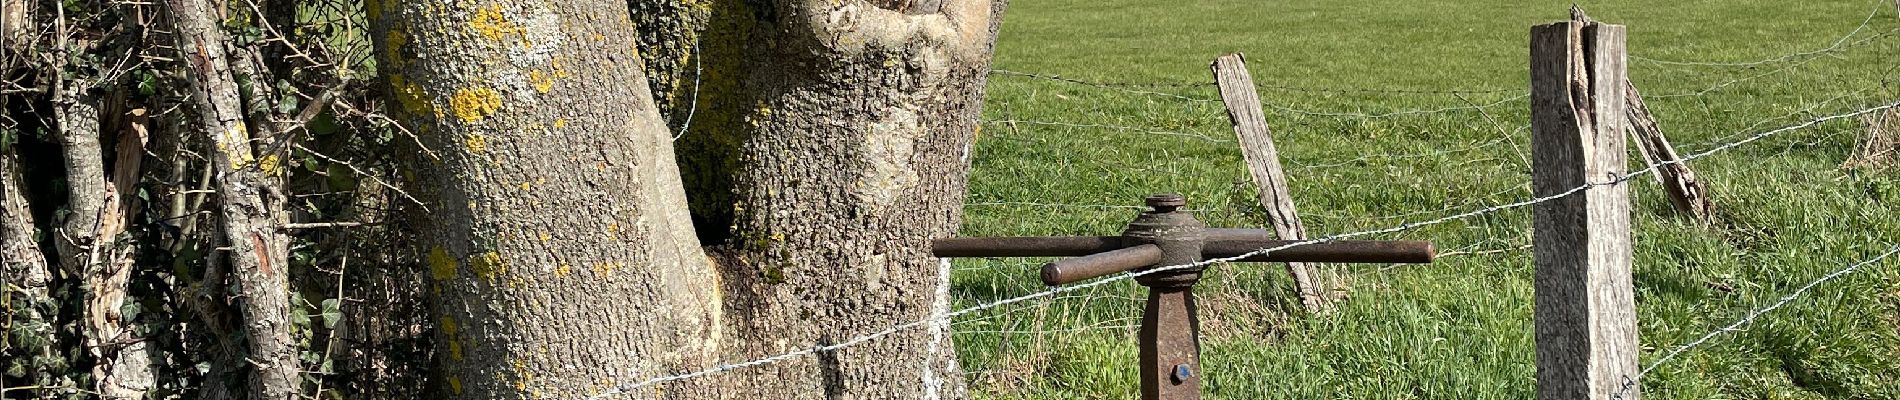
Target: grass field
x=1460, y=328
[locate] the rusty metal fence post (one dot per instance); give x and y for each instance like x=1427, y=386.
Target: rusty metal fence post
x=1168, y=236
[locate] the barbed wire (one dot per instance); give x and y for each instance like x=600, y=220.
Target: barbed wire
x=1803, y=110
x=1785, y=68
x=1494, y=142
x=1399, y=113
x=1057, y=78
x=1297, y=111
x=1123, y=128
x=1878, y=6
x=1293, y=164
x=1526, y=187
x=1053, y=205
x=1630, y=382
x=1121, y=86
x=1114, y=324
x=624, y=388
x=1065, y=205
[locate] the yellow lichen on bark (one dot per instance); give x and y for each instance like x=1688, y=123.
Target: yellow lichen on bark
x=411, y=97
x=441, y=264
x=488, y=266
x=392, y=46
x=230, y=144
x=270, y=165
x=560, y=70
x=606, y=268
x=542, y=83
x=474, y=104
x=449, y=327
x=475, y=143
x=524, y=377
x=451, y=331
x=455, y=350
x=491, y=23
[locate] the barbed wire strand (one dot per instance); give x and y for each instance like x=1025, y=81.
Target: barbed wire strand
x=1292, y=110
x=1124, y=128
x=1809, y=109
x=1399, y=113
x=1103, y=86
x=1285, y=88
x=1629, y=382
x=624, y=388
x=1777, y=71
x=1494, y=142
x=1878, y=6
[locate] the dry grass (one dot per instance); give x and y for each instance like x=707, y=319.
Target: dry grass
x=1880, y=147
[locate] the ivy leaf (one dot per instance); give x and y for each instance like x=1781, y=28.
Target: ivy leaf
x=287, y=105
x=148, y=83
x=323, y=125
x=332, y=312
x=130, y=311
x=299, y=317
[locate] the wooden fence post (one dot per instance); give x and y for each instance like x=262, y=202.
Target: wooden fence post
x=1688, y=194
x=1585, y=306
x=1263, y=162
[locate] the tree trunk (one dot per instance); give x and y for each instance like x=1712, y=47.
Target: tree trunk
x=855, y=156
x=562, y=255
x=250, y=205
x=24, y=281
x=89, y=243
x=830, y=145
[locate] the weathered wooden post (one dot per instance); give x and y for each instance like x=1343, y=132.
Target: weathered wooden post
x=1168, y=236
x=1688, y=194
x=1263, y=163
x=1585, y=311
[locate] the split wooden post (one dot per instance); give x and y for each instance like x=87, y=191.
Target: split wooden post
x=1585, y=306
x=1686, y=193
x=1263, y=162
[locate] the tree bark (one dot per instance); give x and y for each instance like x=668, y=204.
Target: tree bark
x=89, y=243
x=24, y=280
x=249, y=203
x=831, y=146
x=562, y=257
x=853, y=156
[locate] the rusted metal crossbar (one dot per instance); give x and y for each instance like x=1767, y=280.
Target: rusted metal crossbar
x=1165, y=236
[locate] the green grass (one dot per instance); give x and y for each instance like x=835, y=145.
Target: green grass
x=1460, y=328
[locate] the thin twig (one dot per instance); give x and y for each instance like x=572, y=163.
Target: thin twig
x=352, y=167
x=320, y=225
